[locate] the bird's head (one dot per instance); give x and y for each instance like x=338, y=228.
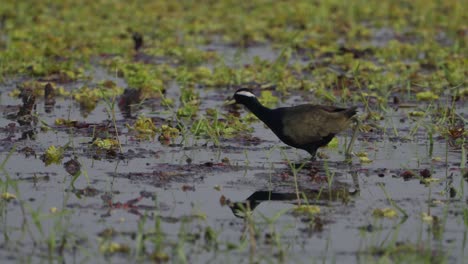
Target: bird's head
x=244, y=96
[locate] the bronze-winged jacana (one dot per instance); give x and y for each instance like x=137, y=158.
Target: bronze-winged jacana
x=306, y=126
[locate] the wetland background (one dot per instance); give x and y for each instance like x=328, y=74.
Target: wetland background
x=116, y=146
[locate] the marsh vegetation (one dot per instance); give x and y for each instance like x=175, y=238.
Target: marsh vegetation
x=116, y=146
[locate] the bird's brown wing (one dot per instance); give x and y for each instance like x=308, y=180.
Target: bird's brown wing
x=309, y=123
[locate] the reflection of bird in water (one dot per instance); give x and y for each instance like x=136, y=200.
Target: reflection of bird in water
x=339, y=191
x=306, y=126
x=239, y=209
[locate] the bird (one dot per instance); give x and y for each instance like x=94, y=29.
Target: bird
x=307, y=126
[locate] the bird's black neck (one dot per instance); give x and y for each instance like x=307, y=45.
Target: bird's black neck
x=263, y=113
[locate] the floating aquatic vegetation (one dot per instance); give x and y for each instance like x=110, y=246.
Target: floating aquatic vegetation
x=363, y=157
x=8, y=196
x=365, y=160
x=426, y=217
x=159, y=256
x=306, y=209
x=417, y=113
x=430, y=180
x=268, y=99
x=426, y=96
x=38, y=89
x=385, y=213
x=65, y=122
x=144, y=126
x=89, y=97
x=187, y=110
x=107, y=247
x=106, y=143
x=146, y=129
x=53, y=155
x=168, y=133
x=214, y=126
x=348, y=53
x=149, y=79
x=190, y=101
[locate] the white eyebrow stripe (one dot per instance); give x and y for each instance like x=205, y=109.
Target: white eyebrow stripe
x=246, y=93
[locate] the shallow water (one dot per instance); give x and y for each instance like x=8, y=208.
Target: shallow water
x=183, y=187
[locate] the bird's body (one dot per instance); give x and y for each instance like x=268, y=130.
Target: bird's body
x=306, y=126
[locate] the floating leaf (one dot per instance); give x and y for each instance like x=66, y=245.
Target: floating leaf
x=417, y=113
x=306, y=209
x=168, y=133
x=385, y=213
x=52, y=155
x=188, y=110
x=107, y=143
x=430, y=180
x=113, y=247
x=365, y=160
x=426, y=96
x=159, y=256
x=145, y=125
x=8, y=196
x=65, y=122
x=426, y=217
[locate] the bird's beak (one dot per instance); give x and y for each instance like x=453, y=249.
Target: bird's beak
x=229, y=101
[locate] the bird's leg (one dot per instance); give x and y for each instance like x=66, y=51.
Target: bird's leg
x=349, y=148
x=313, y=154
